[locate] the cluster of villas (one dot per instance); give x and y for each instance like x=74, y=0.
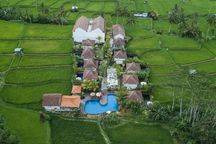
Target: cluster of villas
x=88, y=33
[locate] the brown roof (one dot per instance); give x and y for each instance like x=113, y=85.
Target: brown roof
x=89, y=74
x=76, y=89
x=135, y=96
x=90, y=63
x=52, y=99
x=88, y=42
x=118, y=29
x=119, y=42
x=120, y=54
x=87, y=53
x=98, y=22
x=133, y=67
x=82, y=23
x=130, y=79
x=70, y=101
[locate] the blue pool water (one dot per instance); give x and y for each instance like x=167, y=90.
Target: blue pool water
x=94, y=107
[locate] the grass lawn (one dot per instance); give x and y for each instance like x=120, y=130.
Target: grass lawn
x=25, y=3
x=164, y=69
x=109, y=7
x=5, y=62
x=159, y=57
x=7, y=46
x=46, y=46
x=13, y=30
x=44, y=60
x=208, y=67
x=95, y=6
x=75, y=132
x=47, y=31
x=174, y=42
x=191, y=56
x=138, y=46
x=29, y=94
x=132, y=133
x=211, y=46
x=137, y=32
x=29, y=75
x=26, y=125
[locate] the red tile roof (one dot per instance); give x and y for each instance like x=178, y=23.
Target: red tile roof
x=76, y=89
x=135, y=96
x=90, y=75
x=130, y=79
x=87, y=53
x=119, y=42
x=118, y=29
x=90, y=63
x=88, y=42
x=134, y=67
x=120, y=54
x=82, y=23
x=98, y=22
x=52, y=99
x=70, y=101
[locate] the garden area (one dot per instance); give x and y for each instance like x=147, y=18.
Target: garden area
x=43, y=31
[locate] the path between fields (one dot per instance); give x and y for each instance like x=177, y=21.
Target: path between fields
x=106, y=138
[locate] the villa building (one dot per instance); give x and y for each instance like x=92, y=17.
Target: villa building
x=90, y=64
x=89, y=29
x=70, y=102
x=76, y=89
x=130, y=81
x=112, y=78
x=90, y=75
x=135, y=96
x=88, y=43
x=118, y=37
x=87, y=53
x=133, y=67
x=52, y=102
x=120, y=56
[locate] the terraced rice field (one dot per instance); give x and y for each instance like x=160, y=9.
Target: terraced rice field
x=47, y=65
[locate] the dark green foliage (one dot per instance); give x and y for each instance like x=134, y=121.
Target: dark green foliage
x=211, y=19
x=110, y=120
x=176, y=15
x=189, y=28
x=122, y=11
x=90, y=85
x=194, y=120
x=44, y=16
x=134, y=107
x=153, y=15
x=144, y=75
x=132, y=133
x=5, y=136
x=75, y=132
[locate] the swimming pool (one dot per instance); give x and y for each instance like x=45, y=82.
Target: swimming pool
x=95, y=107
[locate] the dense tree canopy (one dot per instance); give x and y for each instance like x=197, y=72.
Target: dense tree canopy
x=5, y=136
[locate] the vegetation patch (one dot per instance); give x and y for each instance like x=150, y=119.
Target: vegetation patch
x=139, y=133
x=76, y=132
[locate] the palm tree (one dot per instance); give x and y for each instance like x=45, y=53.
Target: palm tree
x=131, y=20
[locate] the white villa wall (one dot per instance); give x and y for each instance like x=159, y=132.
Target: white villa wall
x=52, y=108
x=119, y=61
x=79, y=35
x=130, y=86
x=119, y=36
